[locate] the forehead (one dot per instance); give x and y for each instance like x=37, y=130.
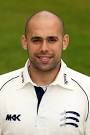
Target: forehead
x=44, y=25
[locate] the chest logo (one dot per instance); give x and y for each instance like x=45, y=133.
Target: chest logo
x=13, y=117
x=70, y=118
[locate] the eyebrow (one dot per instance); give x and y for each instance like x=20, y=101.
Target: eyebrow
x=33, y=37
x=41, y=38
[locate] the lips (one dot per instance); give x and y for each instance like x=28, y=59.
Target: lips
x=44, y=59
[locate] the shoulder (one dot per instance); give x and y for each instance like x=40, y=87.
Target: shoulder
x=78, y=76
x=75, y=75
x=8, y=77
x=81, y=79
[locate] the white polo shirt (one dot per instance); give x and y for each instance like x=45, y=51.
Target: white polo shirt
x=63, y=110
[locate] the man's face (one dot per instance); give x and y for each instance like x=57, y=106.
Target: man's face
x=44, y=44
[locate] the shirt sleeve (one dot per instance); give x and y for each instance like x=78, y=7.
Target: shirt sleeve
x=1, y=113
x=0, y=124
x=87, y=132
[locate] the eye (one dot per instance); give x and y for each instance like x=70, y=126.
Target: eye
x=36, y=39
x=52, y=39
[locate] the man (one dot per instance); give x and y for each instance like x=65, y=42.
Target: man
x=43, y=98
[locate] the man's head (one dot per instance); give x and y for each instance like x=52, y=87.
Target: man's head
x=44, y=39
x=46, y=15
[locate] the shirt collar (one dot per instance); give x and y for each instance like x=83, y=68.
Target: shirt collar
x=63, y=79
x=25, y=75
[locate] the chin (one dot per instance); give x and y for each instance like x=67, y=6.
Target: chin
x=45, y=69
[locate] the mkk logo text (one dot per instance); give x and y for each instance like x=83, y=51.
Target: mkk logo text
x=13, y=117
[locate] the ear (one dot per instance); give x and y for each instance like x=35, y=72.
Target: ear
x=24, y=42
x=65, y=41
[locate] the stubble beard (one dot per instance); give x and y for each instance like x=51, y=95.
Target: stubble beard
x=46, y=68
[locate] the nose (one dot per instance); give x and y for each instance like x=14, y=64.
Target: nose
x=44, y=46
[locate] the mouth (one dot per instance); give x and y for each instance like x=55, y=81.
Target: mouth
x=44, y=59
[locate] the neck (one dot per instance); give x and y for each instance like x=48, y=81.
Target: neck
x=43, y=78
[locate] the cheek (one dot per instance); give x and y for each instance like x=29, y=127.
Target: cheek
x=31, y=49
x=58, y=50
x=32, y=52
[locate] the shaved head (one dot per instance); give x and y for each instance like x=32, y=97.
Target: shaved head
x=44, y=41
x=44, y=15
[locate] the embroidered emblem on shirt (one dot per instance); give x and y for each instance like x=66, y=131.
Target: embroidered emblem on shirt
x=22, y=77
x=13, y=117
x=65, y=79
x=70, y=118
